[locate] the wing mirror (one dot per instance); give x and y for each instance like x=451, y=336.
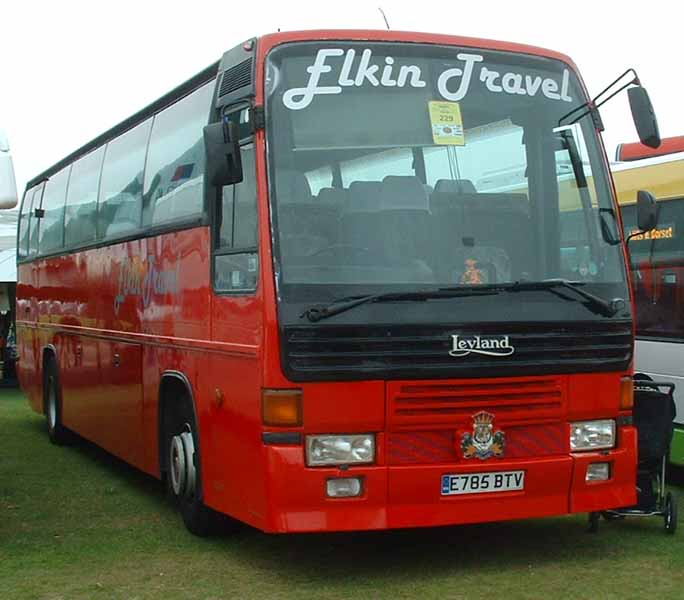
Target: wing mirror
x=644, y=116
x=223, y=158
x=647, y=211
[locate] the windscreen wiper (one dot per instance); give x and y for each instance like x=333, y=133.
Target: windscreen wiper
x=318, y=312
x=596, y=303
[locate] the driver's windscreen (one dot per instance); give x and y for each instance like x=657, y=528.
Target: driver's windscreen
x=407, y=165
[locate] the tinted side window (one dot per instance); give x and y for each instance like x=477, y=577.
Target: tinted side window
x=175, y=160
x=23, y=237
x=236, y=259
x=120, y=206
x=51, y=235
x=34, y=223
x=239, y=208
x=81, y=206
x=245, y=203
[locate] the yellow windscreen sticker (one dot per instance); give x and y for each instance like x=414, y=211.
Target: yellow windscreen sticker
x=447, y=125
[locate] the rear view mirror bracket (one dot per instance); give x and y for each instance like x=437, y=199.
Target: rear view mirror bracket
x=640, y=104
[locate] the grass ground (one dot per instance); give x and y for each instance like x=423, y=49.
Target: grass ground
x=76, y=523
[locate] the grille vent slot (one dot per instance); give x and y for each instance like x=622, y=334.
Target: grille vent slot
x=238, y=76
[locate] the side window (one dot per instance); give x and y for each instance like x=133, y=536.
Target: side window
x=34, y=222
x=51, y=235
x=320, y=178
x=236, y=260
x=175, y=160
x=81, y=205
x=120, y=204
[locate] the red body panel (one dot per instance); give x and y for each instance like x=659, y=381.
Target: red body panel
x=113, y=347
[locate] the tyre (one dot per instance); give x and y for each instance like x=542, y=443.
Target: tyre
x=184, y=474
x=593, y=525
x=52, y=398
x=670, y=511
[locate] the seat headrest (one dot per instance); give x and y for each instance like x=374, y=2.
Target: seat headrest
x=455, y=186
x=364, y=196
x=332, y=197
x=292, y=187
x=403, y=192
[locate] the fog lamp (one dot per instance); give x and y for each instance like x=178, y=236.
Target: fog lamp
x=344, y=487
x=598, y=472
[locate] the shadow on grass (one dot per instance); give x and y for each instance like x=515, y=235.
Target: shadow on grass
x=412, y=553
x=121, y=470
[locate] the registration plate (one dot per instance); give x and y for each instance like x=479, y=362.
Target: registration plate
x=479, y=483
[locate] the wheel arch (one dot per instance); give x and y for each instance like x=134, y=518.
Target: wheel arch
x=171, y=385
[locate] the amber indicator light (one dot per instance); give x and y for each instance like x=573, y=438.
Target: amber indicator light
x=282, y=408
x=626, y=393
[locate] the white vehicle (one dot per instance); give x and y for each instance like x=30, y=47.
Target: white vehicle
x=8, y=185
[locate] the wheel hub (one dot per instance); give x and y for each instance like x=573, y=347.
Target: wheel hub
x=182, y=464
x=52, y=404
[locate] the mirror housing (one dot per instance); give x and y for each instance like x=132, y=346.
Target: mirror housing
x=644, y=116
x=222, y=150
x=647, y=211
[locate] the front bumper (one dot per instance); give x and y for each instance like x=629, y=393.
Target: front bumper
x=410, y=495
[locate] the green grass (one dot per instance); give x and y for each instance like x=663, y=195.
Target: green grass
x=76, y=523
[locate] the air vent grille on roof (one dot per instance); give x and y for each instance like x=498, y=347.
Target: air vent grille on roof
x=236, y=77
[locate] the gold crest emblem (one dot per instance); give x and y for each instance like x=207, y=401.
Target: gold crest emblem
x=483, y=442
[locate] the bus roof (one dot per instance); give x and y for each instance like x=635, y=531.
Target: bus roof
x=267, y=42
x=382, y=35
x=169, y=98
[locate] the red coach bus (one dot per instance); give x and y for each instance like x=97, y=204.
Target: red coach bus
x=329, y=284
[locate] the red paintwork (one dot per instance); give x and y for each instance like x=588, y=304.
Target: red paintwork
x=637, y=151
x=227, y=347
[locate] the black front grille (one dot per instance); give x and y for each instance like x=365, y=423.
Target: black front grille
x=236, y=77
x=321, y=352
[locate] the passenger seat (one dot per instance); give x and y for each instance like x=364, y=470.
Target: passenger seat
x=304, y=226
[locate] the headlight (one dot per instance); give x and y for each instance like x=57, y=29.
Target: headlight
x=592, y=435
x=339, y=449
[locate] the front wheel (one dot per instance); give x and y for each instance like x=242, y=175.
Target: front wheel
x=184, y=482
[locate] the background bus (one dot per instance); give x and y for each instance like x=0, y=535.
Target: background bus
x=658, y=265
x=8, y=185
x=352, y=306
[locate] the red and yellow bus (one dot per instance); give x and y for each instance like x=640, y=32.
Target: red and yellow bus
x=657, y=265
x=329, y=284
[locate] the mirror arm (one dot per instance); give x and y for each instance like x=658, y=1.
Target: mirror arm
x=634, y=81
x=633, y=235
x=592, y=105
